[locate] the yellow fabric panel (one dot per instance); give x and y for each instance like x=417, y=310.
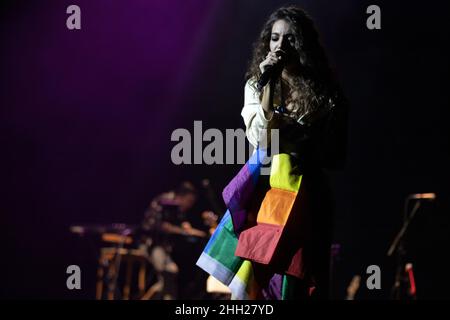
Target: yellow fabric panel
x=283, y=175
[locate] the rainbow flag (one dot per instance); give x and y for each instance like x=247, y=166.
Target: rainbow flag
x=233, y=247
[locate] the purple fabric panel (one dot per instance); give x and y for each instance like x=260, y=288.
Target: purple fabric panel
x=273, y=290
x=236, y=195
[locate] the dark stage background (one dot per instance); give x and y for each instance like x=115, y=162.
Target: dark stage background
x=86, y=119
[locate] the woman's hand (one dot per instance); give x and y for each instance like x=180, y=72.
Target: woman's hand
x=272, y=59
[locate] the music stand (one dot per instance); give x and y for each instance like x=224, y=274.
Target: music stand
x=398, y=246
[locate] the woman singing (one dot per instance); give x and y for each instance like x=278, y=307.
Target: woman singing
x=274, y=240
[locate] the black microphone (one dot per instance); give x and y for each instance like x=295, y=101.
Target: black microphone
x=269, y=73
x=265, y=78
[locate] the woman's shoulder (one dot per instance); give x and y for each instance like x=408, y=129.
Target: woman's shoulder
x=251, y=84
x=250, y=90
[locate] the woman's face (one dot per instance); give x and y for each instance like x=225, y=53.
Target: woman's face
x=282, y=37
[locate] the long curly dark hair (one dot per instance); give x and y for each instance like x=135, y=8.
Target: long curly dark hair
x=315, y=83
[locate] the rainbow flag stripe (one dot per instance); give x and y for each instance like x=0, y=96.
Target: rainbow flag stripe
x=233, y=247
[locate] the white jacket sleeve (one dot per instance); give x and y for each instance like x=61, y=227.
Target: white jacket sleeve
x=256, y=123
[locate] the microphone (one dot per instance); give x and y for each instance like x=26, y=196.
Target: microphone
x=428, y=196
x=269, y=73
x=265, y=78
